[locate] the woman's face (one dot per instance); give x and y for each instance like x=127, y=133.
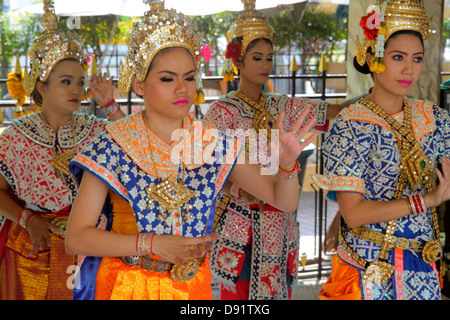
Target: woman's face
x=257, y=63
x=403, y=59
x=64, y=89
x=170, y=86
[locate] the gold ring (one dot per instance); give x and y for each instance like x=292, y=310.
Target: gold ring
x=192, y=248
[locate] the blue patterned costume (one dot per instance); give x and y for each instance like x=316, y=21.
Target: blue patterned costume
x=361, y=155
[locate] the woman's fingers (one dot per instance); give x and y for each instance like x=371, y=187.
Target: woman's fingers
x=197, y=247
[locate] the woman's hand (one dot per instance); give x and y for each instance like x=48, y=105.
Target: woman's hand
x=176, y=249
x=39, y=232
x=102, y=89
x=291, y=144
x=442, y=192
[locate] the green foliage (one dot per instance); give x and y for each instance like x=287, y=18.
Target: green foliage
x=317, y=32
x=18, y=32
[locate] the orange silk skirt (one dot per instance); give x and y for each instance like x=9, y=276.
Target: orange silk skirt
x=343, y=283
x=43, y=276
x=119, y=281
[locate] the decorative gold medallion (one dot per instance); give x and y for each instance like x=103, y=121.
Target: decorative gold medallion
x=181, y=273
x=61, y=161
x=170, y=194
x=432, y=251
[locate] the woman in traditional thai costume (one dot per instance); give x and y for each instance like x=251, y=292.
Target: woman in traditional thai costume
x=380, y=163
x=169, y=169
x=36, y=188
x=259, y=261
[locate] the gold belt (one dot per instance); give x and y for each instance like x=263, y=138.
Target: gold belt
x=379, y=238
x=381, y=269
x=57, y=222
x=178, y=272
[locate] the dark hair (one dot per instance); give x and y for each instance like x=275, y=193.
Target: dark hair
x=252, y=43
x=364, y=69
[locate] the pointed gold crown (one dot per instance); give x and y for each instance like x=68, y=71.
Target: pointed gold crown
x=250, y=25
x=391, y=16
x=160, y=28
x=51, y=47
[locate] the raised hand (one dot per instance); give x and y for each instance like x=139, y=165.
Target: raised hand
x=291, y=144
x=102, y=89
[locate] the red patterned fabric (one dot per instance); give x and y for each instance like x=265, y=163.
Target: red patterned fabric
x=260, y=246
x=25, y=156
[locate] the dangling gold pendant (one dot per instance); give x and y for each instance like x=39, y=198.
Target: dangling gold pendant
x=170, y=194
x=416, y=165
x=61, y=162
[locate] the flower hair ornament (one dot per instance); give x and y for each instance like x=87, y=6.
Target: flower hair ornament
x=16, y=89
x=384, y=19
x=161, y=28
x=249, y=25
x=51, y=47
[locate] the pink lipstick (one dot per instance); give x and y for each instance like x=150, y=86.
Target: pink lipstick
x=405, y=83
x=181, y=102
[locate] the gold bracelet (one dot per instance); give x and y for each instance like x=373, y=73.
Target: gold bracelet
x=291, y=168
x=409, y=205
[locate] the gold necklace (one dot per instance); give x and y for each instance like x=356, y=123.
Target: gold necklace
x=169, y=193
x=262, y=119
x=60, y=162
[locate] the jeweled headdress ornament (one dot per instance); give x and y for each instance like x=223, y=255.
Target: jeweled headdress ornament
x=160, y=28
x=384, y=19
x=51, y=47
x=249, y=25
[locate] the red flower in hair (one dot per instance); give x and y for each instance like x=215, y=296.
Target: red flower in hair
x=233, y=50
x=370, y=24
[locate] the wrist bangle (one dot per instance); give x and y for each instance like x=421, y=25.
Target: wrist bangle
x=110, y=108
x=408, y=201
x=109, y=104
x=144, y=244
x=24, y=217
x=117, y=108
x=291, y=168
x=289, y=173
x=234, y=190
x=416, y=204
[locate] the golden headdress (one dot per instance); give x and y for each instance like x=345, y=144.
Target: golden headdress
x=160, y=28
x=51, y=47
x=384, y=19
x=249, y=25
